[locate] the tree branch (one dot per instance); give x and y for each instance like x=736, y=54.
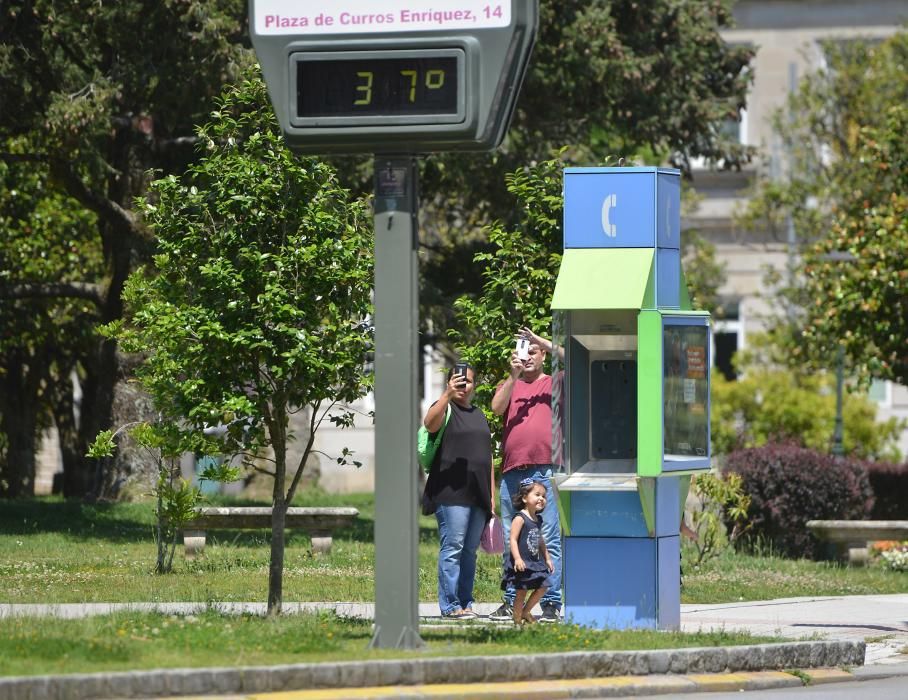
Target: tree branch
x=107, y=209
x=121, y=219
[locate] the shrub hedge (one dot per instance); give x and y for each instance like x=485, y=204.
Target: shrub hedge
x=890, y=487
x=789, y=485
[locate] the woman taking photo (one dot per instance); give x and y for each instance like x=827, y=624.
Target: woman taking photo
x=459, y=490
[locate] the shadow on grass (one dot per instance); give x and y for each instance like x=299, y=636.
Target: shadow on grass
x=134, y=522
x=116, y=522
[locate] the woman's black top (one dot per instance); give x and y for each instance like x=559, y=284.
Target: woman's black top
x=462, y=471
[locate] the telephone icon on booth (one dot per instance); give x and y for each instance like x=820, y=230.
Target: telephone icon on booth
x=611, y=200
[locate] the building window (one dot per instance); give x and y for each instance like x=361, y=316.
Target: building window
x=880, y=392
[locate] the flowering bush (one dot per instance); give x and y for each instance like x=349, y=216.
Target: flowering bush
x=896, y=558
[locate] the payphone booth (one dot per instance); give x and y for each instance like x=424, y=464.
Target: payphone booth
x=632, y=402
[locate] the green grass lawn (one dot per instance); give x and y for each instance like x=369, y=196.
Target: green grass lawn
x=738, y=577
x=53, y=551
x=135, y=641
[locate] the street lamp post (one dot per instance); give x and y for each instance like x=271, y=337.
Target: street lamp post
x=838, y=431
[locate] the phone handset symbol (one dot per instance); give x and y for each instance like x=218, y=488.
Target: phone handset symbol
x=611, y=200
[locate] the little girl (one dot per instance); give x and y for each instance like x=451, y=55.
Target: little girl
x=528, y=565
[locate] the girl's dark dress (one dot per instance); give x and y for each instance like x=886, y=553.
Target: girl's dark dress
x=536, y=574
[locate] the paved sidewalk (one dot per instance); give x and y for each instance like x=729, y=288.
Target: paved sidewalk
x=881, y=620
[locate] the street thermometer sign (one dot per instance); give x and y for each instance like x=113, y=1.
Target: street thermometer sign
x=393, y=76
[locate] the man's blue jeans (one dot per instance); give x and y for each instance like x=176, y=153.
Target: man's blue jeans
x=551, y=526
x=459, y=529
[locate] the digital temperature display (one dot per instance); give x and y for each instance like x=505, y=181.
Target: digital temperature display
x=341, y=87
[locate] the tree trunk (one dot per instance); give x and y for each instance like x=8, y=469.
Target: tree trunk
x=119, y=234
x=277, y=427
x=19, y=405
x=20, y=455
x=83, y=477
x=63, y=408
x=276, y=567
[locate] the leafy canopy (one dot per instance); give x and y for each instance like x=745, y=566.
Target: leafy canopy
x=769, y=402
x=652, y=81
x=864, y=303
x=845, y=195
x=617, y=78
x=261, y=284
x=94, y=95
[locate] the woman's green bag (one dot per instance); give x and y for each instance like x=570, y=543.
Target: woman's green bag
x=427, y=445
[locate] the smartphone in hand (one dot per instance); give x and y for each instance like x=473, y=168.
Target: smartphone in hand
x=523, y=348
x=461, y=369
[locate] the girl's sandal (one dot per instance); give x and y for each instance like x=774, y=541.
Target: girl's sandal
x=528, y=619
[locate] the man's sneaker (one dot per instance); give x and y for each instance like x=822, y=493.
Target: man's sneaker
x=550, y=613
x=504, y=614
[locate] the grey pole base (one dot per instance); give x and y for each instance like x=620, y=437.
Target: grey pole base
x=408, y=639
x=396, y=418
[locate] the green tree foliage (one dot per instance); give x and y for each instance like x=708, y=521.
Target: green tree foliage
x=844, y=192
x=103, y=92
x=720, y=521
x=259, y=300
x=769, y=403
x=46, y=244
x=94, y=95
x=175, y=498
x=652, y=81
x=865, y=298
x=621, y=77
x=518, y=276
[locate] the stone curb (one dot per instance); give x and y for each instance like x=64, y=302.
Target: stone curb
x=436, y=671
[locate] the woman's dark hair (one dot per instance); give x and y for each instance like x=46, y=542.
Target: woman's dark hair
x=517, y=498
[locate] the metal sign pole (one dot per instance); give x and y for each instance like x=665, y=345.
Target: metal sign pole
x=396, y=335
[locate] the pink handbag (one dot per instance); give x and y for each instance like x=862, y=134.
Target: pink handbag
x=492, y=540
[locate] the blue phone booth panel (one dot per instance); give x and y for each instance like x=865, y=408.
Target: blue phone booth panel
x=609, y=210
x=622, y=583
x=668, y=210
x=668, y=278
x=619, y=513
x=622, y=208
x=607, y=514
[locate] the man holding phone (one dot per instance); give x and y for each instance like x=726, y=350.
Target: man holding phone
x=525, y=401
